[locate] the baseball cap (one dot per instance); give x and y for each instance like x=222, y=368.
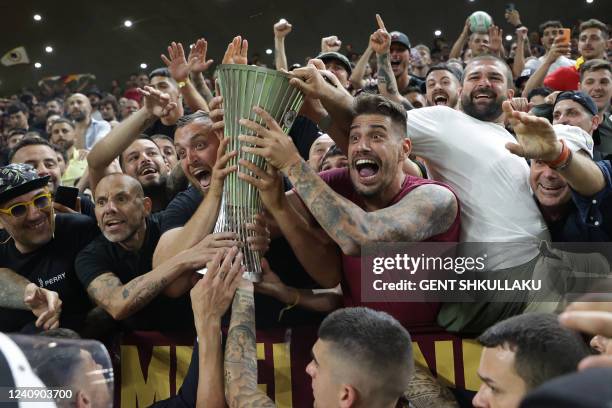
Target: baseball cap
x=401, y=38
x=524, y=76
x=585, y=389
x=579, y=97
x=332, y=55
x=17, y=179
x=563, y=79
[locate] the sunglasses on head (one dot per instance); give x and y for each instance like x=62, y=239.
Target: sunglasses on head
x=41, y=201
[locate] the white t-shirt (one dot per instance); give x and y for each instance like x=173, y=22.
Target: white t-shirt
x=491, y=183
x=562, y=61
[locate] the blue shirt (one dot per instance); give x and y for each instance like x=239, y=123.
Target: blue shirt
x=590, y=219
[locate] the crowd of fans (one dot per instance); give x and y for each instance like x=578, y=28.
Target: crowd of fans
x=481, y=141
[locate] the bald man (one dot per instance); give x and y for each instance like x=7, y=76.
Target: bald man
x=116, y=267
x=89, y=130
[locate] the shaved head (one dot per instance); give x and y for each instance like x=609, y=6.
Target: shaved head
x=128, y=182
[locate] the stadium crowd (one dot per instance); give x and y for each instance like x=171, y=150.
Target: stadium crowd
x=109, y=199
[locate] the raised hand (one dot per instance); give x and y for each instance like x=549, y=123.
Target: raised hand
x=259, y=235
x=521, y=34
x=495, y=39
x=212, y=295
x=268, y=182
x=220, y=169
x=331, y=43
x=197, y=57
x=236, y=52
x=270, y=142
x=535, y=136
x=45, y=304
x=282, y=28
x=513, y=17
x=177, y=64
x=380, y=40
x=157, y=103
x=558, y=49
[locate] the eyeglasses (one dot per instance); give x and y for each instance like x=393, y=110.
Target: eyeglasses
x=18, y=210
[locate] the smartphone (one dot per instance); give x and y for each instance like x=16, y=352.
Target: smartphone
x=565, y=34
x=66, y=196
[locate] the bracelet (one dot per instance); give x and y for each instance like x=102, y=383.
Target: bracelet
x=562, y=159
x=289, y=307
x=182, y=84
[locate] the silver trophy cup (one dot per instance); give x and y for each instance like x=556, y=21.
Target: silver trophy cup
x=244, y=87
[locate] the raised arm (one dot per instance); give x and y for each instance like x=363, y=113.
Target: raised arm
x=210, y=299
x=380, y=42
x=427, y=211
x=458, y=46
x=519, y=56
x=202, y=222
x=536, y=139
x=281, y=29
x=240, y=360
x=537, y=79
x=198, y=54
x=156, y=105
x=360, y=68
x=179, y=70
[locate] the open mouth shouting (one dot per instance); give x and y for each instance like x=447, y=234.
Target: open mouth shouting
x=367, y=170
x=113, y=225
x=148, y=171
x=203, y=176
x=440, y=98
x=483, y=96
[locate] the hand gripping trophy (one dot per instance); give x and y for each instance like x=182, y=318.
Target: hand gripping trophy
x=244, y=87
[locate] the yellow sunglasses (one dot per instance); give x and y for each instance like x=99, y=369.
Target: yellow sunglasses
x=18, y=210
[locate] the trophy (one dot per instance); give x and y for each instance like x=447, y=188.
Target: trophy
x=243, y=87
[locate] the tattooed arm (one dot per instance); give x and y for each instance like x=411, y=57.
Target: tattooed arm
x=425, y=391
x=380, y=42
x=240, y=359
x=123, y=300
x=12, y=288
x=426, y=211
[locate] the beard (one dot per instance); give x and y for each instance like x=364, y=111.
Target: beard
x=489, y=112
x=78, y=116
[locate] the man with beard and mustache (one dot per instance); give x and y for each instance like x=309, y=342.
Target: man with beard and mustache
x=139, y=157
x=89, y=130
x=63, y=135
x=116, y=267
x=567, y=194
x=443, y=86
x=42, y=250
x=491, y=183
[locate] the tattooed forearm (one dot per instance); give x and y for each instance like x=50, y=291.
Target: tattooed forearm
x=424, y=212
x=425, y=391
x=240, y=360
x=122, y=301
x=386, y=79
x=12, y=287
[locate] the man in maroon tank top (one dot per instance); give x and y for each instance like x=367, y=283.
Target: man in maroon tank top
x=329, y=217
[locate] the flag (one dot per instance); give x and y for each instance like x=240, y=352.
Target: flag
x=15, y=56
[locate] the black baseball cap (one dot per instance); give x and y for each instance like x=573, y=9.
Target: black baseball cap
x=578, y=97
x=400, y=38
x=17, y=179
x=332, y=55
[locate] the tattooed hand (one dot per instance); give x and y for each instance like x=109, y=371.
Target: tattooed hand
x=270, y=142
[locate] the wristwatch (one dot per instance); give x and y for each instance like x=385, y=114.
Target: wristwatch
x=182, y=84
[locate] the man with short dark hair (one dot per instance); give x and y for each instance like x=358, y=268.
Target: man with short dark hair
x=596, y=81
x=167, y=149
x=63, y=134
x=139, y=157
x=523, y=352
x=109, y=109
x=338, y=64
x=18, y=114
x=443, y=85
x=161, y=80
x=55, y=106
x=549, y=30
x=42, y=248
x=421, y=65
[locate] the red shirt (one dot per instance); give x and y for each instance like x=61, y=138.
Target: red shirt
x=411, y=315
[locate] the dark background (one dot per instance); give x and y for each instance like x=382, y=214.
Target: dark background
x=89, y=36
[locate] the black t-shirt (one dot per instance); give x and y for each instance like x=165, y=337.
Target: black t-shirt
x=102, y=256
x=303, y=133
x=280, y=256
x=158, y=128
x=88, y=208
x=414, y=82
x=52, y=267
